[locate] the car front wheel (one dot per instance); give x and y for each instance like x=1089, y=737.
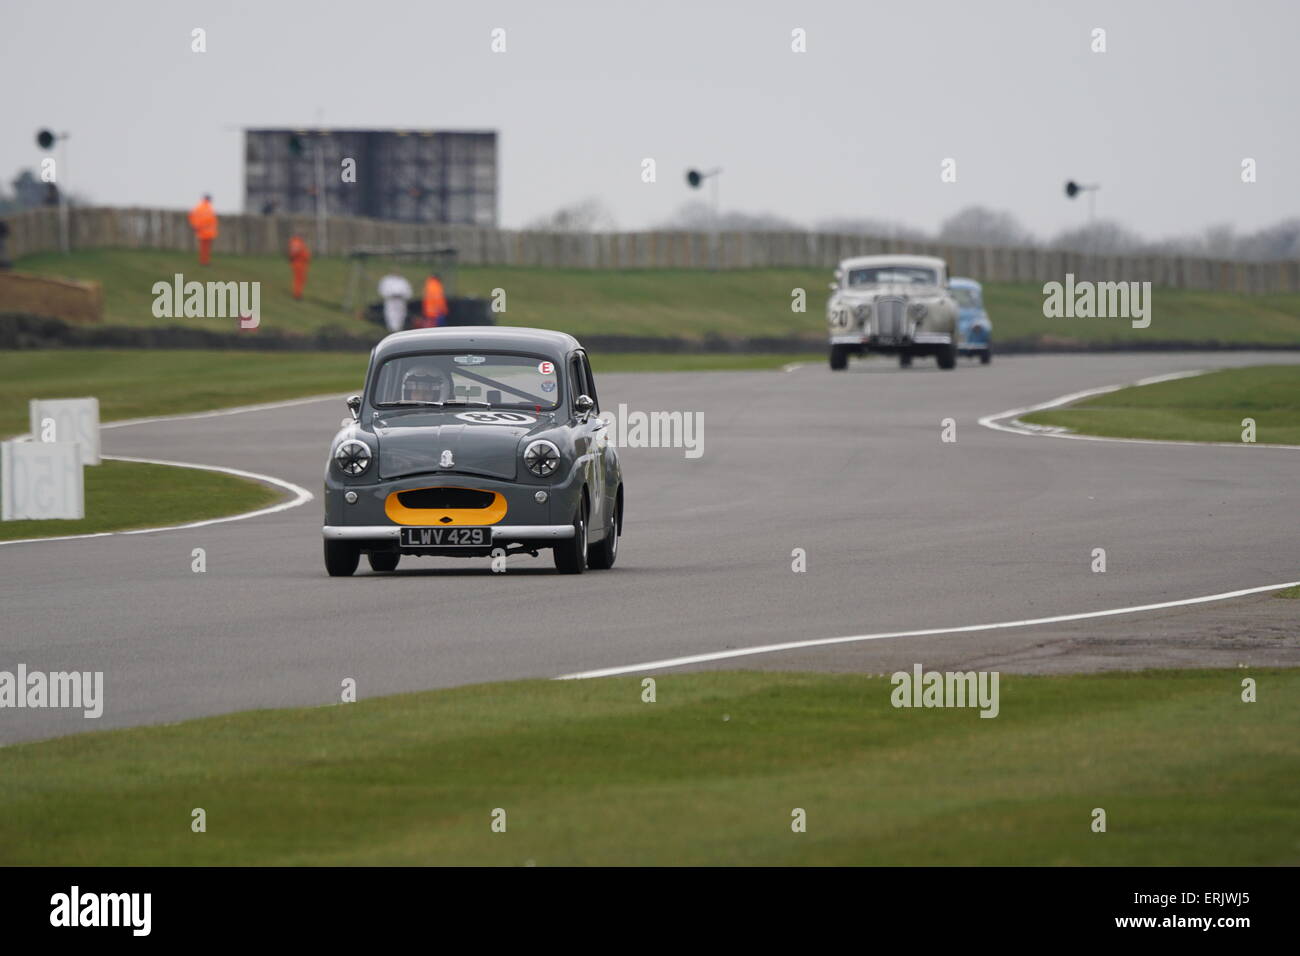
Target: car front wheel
x=604, y=553
x=947, y=356
x=383, y=560
x=904, y=360
x=987, y=355
x=571, y=555
x=341, y=558
x=839, y=358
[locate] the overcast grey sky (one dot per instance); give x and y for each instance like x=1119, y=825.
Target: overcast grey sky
x=856, y=126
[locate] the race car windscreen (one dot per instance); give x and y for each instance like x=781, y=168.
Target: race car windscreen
x=966, y=298
x=892, y=275
x=468, y=378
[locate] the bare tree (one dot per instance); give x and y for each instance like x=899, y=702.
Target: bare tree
x=587, y=215
x=875, y=228
x=1104, y=237
x=698, y=217
x=979, y=225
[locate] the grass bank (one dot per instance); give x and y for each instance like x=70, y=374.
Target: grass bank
x=710, y=773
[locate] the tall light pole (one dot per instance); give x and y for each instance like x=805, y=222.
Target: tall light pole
x=320, y=195
x=46, y=140
x=1072, y=190
x=694, y=179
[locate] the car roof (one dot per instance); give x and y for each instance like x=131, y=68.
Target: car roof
x=470, y=337
x=859, y=262
x=965, y=283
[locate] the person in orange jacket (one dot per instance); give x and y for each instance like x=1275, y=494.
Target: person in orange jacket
x=203, y=220
x=435, y=302
x=299, y=259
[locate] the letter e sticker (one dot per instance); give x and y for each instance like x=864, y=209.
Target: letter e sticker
x=546, y=368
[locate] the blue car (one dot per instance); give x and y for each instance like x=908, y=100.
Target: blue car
x=974, y=330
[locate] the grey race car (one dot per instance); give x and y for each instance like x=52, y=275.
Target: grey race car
x=474, y=442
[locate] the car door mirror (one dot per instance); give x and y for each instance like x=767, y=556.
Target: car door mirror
x=354, y=406
x=583, y=405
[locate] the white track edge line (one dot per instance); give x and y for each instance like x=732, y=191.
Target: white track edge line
x=301, y=497
x=999, y=421
x=929, y=632
x=993, y=422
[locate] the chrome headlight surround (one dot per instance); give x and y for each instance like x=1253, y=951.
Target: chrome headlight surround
x=918, y=311
x=862, y=312
x=542, y=458
x=352, y=457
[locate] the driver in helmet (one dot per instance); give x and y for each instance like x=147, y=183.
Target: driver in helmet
x=425, y=383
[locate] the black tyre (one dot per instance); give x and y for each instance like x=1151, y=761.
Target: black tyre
x=839, y=358
x=904, y=360
x=987, y=355
x=604, y=553
x=341, y=558
x=571, y=555
x=383, y=560
x=947, y=356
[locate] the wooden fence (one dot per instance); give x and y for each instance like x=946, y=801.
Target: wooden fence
x=36, y=231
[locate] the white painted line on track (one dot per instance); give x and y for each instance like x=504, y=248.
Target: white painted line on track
x=301, y=497
x=221, y=412
x=930, y=632
x=1016, y=428
x=1009, y=421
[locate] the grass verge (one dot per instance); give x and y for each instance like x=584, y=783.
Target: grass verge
x=709, y=774
x=686, y=303
x=121, y=495
x=1203, y=408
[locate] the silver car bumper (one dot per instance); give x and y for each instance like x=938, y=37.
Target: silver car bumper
x=508, y=532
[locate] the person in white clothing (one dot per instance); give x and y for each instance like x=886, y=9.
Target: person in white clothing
x=395, y=291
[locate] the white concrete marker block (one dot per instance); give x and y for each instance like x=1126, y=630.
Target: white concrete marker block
x=41, y=480
x=75, y=419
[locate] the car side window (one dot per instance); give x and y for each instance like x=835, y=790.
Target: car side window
x=577, y=380
x=590, y=380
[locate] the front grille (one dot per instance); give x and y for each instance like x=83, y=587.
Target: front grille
x=445, y=499
x=891, y=311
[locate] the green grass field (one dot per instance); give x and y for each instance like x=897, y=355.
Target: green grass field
x=709, y=774
x=693, y=304
x=114, y=501
x=1204, y=408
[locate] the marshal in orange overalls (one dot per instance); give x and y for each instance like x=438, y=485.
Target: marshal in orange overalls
x=299, y=259
x=203, y=220
x=435, y=303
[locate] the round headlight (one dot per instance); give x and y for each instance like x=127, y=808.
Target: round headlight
x=352, y=457
x=863, y=312
x=542, y=458
x=918, y=310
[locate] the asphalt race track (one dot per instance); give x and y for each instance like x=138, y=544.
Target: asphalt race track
x=901, y=530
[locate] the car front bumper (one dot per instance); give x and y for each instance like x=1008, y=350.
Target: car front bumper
x=922, y=339
x=526, y=521
x=503, y=534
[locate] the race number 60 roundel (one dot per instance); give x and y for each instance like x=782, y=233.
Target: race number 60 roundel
x=496, y=418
